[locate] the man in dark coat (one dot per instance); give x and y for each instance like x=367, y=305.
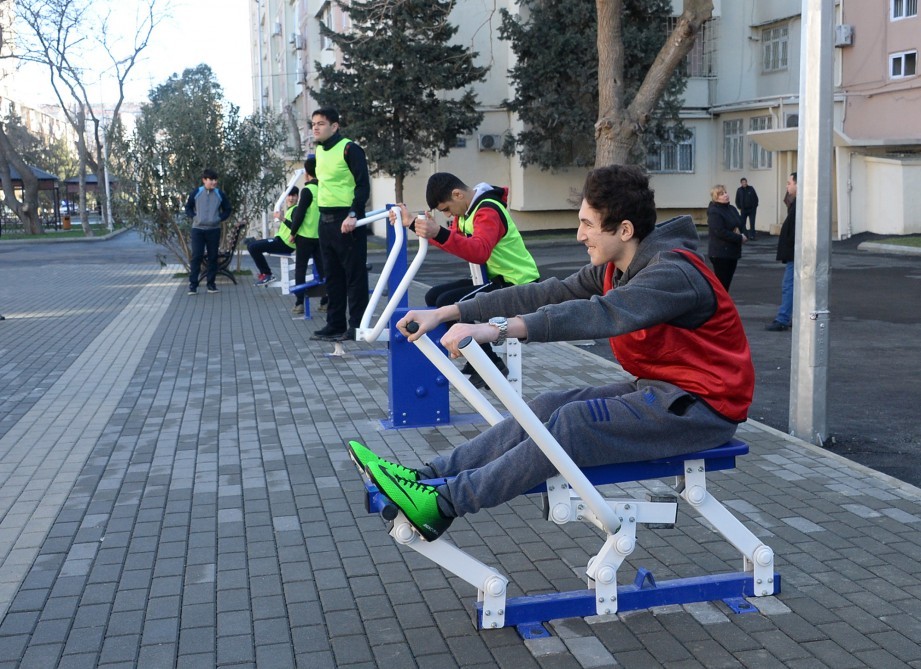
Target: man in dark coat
x=785, y=253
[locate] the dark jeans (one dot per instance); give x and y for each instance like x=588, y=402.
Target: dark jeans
x=306, y=248
x=748, y=214
x=455, y=291
x=258, y=248
x=724, y=268
x=345, y=261
x=202, y=240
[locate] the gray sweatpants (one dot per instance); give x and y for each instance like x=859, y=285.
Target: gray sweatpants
x=621, y=422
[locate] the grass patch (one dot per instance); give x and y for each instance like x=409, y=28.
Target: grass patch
x=910, y=240
x=76, y=232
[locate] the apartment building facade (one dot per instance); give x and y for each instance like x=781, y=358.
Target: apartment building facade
x=741, y=106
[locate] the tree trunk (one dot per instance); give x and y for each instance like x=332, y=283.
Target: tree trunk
x=618, y=129
x=81, y=152
x=27, y=209
x=398, y=187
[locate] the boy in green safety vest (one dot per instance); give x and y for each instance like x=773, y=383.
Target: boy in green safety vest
x=279, y=244
x=304, y=226
x=481, y=231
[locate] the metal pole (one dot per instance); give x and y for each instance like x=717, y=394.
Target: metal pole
x=809, y=358
x=265, y=216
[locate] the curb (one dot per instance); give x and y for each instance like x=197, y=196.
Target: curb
x=67, y=240
x=889, y=248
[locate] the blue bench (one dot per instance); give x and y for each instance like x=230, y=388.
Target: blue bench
x=604, y=595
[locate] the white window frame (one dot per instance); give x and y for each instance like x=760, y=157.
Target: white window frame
x=775, y=48
x=902, y=9
x=903, y=58
x=674, y=157
x=733, y=144
x=761, y=158
x=325, y=15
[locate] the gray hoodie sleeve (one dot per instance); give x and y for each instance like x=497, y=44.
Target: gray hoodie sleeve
x=668, y=290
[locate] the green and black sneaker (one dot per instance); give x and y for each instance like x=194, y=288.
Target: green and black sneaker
x=418, y=501
x=363, y=456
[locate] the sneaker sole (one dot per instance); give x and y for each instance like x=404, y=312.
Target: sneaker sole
x=424, y=533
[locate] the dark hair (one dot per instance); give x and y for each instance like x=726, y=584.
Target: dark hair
x=745, y=179
x=439, y=188
x=294, y=191
x=329, y=113
x=310, y=165
x=793, y=175
x=208, y=173
x=621, y=192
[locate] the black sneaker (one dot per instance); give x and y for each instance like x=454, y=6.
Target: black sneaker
x=478, y=381
x=348, y=335
x=193, y=290
x=213, y=289
x=327, y=333
x=776, y=326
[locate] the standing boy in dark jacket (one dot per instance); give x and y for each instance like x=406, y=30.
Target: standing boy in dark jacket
x=747, y=204
x=208, y=207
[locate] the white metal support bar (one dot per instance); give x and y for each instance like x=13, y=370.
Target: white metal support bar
x=539, y=433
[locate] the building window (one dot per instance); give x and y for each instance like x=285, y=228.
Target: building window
x=672, y=156
x=903, y=64
x=701, y=60
x=732, y=144
x=903, y=9
x=774, y=43
x=325, y=16
x=761, y=158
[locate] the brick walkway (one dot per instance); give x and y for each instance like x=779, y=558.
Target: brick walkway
x=176, y=492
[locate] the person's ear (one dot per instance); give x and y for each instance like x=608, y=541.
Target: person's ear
x=457, y=195
x=626, y=230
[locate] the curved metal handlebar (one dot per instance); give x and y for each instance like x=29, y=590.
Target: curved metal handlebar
x=539, y=433
x=372, y=334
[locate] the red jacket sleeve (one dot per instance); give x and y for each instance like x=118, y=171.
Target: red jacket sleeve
x=488, y=229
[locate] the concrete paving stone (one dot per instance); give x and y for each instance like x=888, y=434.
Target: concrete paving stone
x=267, y=607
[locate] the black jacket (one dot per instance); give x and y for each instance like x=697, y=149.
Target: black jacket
x=746, y=198
x=787, y=236
x=723, y=242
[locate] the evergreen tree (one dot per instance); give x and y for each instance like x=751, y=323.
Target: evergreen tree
x=402, y=88
x=556, y=77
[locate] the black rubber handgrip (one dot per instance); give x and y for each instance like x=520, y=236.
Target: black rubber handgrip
x=412, y=327
x=464, y=342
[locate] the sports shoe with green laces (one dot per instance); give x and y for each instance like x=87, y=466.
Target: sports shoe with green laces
x=418, y=501
x=363, y=456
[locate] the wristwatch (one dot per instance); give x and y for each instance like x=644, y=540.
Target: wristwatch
x=502, y=323
x=351, y=215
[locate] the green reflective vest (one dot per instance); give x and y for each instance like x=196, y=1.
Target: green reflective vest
x=310, y=227
x=337, y=185
x=509, y=259
x=284, y=232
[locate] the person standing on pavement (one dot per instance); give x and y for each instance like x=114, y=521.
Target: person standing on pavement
x=280, y=244
x=305, y=229
x=671, y=325
x=786, y=243
x=724, y=239
x=343, y=190
x=481, y=232
x=747, y=204
x=208, y=207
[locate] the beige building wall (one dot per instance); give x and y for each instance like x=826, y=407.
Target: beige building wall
x=738, y=89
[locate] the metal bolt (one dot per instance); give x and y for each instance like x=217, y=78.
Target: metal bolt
x=487, y=612
x=689, y=470
x=494, y=624
x=601, y=599
x=607, y=610
x=758, y=581
x=500, y=612
x=626, y=506
x=551, y=488
x=632, y=519
x=771, y=580
x=700, y=469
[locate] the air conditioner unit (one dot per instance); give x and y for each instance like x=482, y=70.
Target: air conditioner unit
x=490, y=142
x=844, y=35
x=276, y=29
x=297, y=41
